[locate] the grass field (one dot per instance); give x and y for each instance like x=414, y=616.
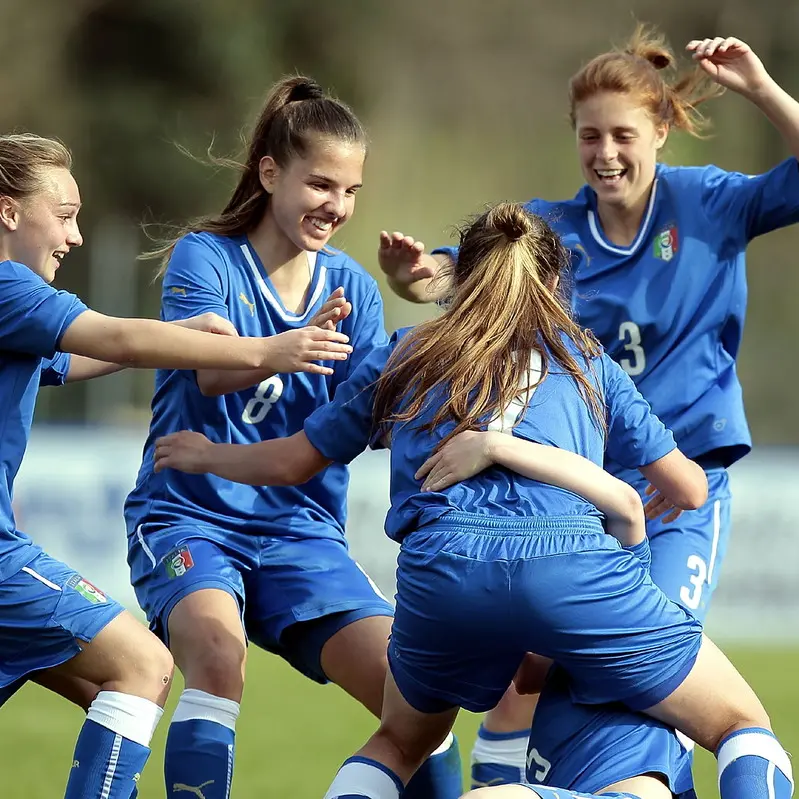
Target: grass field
x=293, y=734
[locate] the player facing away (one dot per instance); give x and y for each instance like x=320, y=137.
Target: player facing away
x=658, y=267
x=503, y=559
x=217, y=565
x=574, y=750
x=55, y=626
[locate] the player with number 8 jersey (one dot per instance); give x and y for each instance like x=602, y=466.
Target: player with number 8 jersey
x=217, y=565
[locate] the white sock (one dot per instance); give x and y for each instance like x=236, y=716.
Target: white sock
x=130, y=716
x=195, y=704
x=506, y=749
x=360, y=776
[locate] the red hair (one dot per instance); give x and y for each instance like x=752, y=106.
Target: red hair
x=638, y=70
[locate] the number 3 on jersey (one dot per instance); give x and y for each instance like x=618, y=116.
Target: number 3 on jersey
x=630, y=336
x=267, y=394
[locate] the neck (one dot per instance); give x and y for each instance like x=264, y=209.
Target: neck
x=621, y=223
x=277, y=253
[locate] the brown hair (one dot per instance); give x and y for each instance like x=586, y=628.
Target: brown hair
x=294, y=110
x=638, y=70
x=23, y=156
x=507, y=303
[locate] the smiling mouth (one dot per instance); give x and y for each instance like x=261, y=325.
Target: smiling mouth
x=322, y=225
x=610, y=176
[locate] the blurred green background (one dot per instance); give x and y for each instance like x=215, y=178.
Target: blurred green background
x=465, y=101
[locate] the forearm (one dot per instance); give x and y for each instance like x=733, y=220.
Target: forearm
x=146, y=343
x=82, y=368
x=618, y=501
x=782, y=111
x=426, y=289
x=278, y=462
x=217, y=382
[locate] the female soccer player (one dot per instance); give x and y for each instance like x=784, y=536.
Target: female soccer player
x=55, y=626
x=500, y=565
x=659, y=277
x=217, y=565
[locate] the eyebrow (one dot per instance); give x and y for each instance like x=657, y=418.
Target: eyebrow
x=326, y=179
x=69, y=205
x=619, y=129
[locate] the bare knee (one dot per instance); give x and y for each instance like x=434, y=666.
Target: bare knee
x=146, y=668
x=216, y=667
x=207, y=639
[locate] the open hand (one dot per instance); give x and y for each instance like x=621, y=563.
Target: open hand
x=730, y=62
x=184, y=451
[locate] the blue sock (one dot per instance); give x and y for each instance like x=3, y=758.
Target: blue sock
x=753, y=765
x=439, y=777
x=499, y=758
x=363, y=778
x=112, y=747
x=200, y=745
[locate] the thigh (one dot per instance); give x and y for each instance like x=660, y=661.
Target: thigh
x=712, y=700
x=355, y=658
x=49, y=613
x=304, y=593
x=172, y=563
x=687, y=554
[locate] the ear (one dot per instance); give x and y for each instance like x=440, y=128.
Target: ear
x=268, y=172
x=661, y=134
x=9, y=213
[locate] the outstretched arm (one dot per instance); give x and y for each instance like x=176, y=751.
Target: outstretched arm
x=277, y=462
x=470, y=452
x=83, y=368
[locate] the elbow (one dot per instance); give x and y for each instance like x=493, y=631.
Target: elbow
x=632, y=509
x=209, y=385
x=122, y=348
x=694, y=490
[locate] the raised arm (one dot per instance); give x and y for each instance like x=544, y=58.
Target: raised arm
x=732, y=63
x=470, y=452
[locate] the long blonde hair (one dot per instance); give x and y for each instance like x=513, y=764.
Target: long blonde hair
x=507, y=304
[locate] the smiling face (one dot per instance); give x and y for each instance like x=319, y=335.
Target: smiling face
x=40, y=230
x=313, y=196
x=618, y=144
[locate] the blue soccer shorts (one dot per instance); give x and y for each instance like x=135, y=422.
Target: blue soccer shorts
x=294, y=594
x=47, y=610
x=475, y=593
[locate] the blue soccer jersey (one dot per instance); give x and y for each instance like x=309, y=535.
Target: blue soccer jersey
x=223, y=275
x=556, y=415
x=33, y=317
x=670, y=307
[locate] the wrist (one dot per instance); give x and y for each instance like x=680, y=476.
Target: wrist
x=763, y=92
x=493, y=445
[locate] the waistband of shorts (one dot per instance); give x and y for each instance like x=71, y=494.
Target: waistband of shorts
x=479, y=524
